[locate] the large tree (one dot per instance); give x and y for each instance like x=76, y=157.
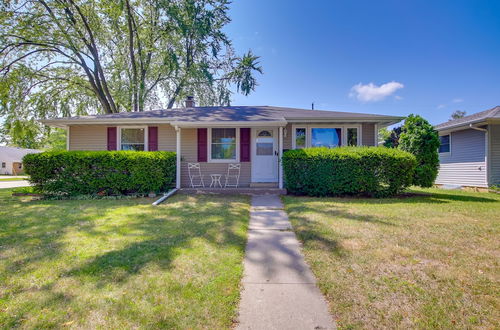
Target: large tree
x=420, y=138
x=67, y=57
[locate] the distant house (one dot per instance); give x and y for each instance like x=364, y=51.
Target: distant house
x=11, y=159
x=470, y=150
x=211, y=138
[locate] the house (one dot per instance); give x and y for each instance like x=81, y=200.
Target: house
x=11, y=159
x=470, y=150
x=254, y=136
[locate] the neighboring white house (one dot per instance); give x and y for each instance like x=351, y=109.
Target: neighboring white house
x=11, y=159
x=470, y=150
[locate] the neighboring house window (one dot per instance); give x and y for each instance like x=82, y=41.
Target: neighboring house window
x=223, y=144
x=20, y=165
x=300, y=138
x=325, y=137
x=445, y=144
x=133, y=139
x=352, y=136
x=3, y=165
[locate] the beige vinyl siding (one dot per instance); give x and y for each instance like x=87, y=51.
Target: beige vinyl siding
x=88, y=137
x=95, y=137
x=368, y=136
x=166, y=137
x=465, y=165
x=287, y=140
x=189, y=154
x=494, y=161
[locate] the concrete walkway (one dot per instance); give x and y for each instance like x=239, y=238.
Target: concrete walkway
x=279, y=289
x=14, y=184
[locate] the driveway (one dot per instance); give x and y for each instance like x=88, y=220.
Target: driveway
x=14, y=184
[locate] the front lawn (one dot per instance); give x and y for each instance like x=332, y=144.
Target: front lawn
x=428, y=261
x=121, y=263
x=12, y=179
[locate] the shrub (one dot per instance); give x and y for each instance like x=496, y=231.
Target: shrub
x=419, y=138
x=72, y=173
x=372, y=171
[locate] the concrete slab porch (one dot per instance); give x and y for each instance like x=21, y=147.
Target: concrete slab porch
x=232, y=191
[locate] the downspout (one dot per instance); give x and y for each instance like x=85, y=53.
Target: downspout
x=486, y=150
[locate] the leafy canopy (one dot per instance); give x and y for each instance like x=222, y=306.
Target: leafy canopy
x=68, y=57
x=420, y=138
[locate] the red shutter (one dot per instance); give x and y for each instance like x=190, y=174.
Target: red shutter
x=339, y=134
x=152, y=138
x=112, y=138
x=202, y=144
x=244, y=144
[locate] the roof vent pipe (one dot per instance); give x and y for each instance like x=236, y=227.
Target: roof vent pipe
x=190, y=102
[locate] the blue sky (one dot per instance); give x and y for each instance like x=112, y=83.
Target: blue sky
x=424, y=57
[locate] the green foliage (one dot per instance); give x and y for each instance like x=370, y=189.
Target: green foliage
x=55, y=140
x=421, y=139
x=62, y=58
x=391, y=139
x=457, y=114
x=371, y=171
x=72, y=173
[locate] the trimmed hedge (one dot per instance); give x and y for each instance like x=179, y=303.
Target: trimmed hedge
x=73, y=173
x=369, y=171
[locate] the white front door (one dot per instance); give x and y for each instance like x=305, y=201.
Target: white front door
x=265, y=155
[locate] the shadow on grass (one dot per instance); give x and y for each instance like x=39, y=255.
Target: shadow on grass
x=35, y=235
x=168, y=235
x=412, y=197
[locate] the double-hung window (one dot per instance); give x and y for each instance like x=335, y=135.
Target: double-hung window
x=133, y=139
x=352, y=136
x=223, y=144
x=445, y=144
x=300, y=138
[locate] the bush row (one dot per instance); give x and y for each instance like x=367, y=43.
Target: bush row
x=72, y=173
x=369, y=171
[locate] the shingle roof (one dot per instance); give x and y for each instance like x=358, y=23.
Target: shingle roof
x=231, y=113
x=471, y=119
x=15, y=154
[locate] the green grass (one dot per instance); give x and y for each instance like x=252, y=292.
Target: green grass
x=12, y=179
x=425, y=261
x=122, y=263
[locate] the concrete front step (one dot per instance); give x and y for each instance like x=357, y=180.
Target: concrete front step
x=232, y=191
x=264, y=185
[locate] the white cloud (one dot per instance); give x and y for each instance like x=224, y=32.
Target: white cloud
x=397, y=97
x=441, y=106
x=457, y=100
x=373, y=93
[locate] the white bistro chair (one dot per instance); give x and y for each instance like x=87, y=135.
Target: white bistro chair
x=233, y=175
x=195, y=176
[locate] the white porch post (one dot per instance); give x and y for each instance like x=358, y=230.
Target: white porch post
x=280, y=155
x=178, y=154
x=68, y=128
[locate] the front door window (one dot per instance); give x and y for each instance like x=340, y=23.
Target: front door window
x=265, y=143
